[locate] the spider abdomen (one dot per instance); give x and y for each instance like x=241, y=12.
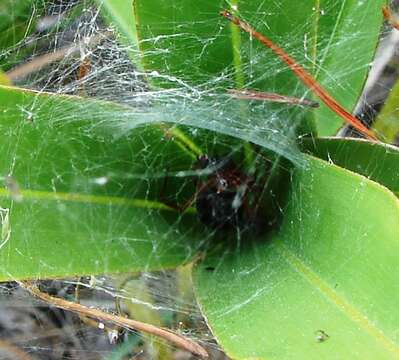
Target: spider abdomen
x=219, y=209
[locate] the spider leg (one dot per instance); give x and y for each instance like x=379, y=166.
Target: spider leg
x=178, y=207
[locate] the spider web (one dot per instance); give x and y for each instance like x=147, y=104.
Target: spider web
x=90, y=61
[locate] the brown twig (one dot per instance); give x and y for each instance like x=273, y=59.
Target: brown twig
x=165, y=334
x=388, y=16
x=272, y=97
x=303, y=75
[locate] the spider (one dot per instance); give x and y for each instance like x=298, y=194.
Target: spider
x=222, y=200
x=226, y=197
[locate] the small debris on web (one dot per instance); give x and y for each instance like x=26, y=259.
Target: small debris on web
x=321, y=336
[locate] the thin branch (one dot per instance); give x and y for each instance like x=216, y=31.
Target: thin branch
x=272, y=97
x=303, y=75
x=165, y=334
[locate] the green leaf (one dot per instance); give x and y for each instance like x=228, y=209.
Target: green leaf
x=89, y=177
x=119, y=13
x=17, y=20
x=334, y=40
x=325, y=287
x=349, y=36
x=4, y=80
x=377, y=161
x=387, y=123
x=82, y=198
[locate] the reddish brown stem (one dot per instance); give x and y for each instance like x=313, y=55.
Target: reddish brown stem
x=303, y=75
x=272, y=97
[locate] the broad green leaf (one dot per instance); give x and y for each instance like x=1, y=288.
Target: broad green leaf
x=324, y=287
x=213, y=111
x=377, y=161
x=189, y=42
x=90, y=177
x=79, y=198
x=387, y=123
x=345, y=54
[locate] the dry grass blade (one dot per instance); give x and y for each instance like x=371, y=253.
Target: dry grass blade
x=21, y=71
x=165, y=334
